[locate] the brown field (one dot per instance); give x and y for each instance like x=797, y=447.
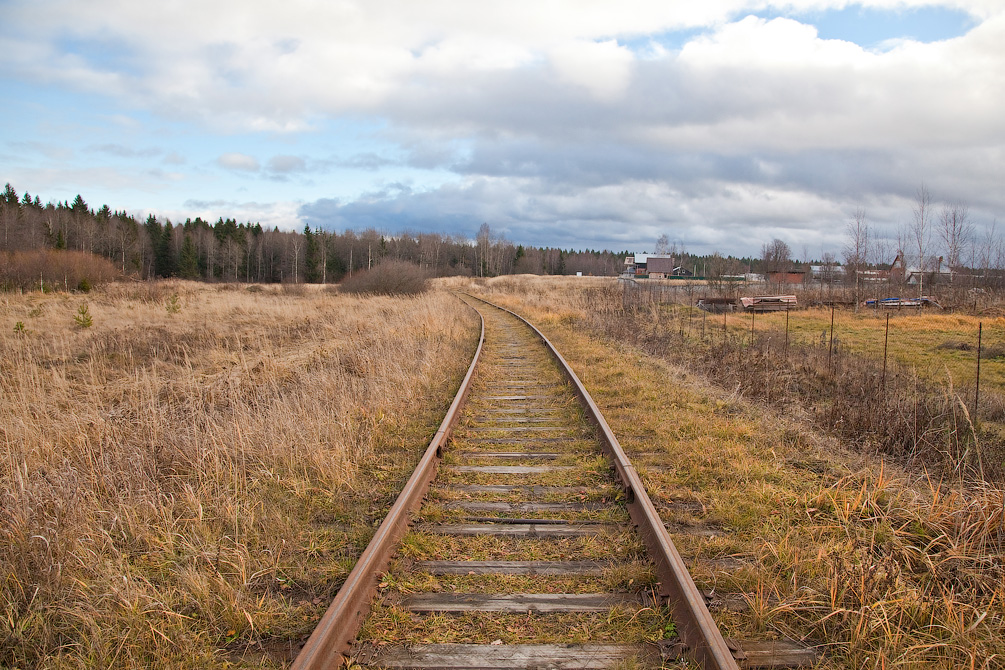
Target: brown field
x=186, y=481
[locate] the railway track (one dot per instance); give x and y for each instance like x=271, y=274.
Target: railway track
x=536, y=544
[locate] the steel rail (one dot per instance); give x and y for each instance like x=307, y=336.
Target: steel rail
x=695, y=626
x=326, y=646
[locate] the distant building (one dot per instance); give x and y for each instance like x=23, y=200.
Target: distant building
x=931, y=269
x=827, y=274
x=787, y=277
x=654, y=266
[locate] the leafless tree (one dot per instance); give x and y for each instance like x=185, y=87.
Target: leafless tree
x=662, y=244
x=776, y=255
x=484, y=245
x=297, y=244
x=856, y=251
x=921, y=230
x=984, y=250
x=956, y=230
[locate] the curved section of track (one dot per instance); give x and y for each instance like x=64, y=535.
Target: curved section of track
x=524, y=553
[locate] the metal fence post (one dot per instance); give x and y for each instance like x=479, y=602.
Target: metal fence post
x=785, y=353
x=977, y=386
x=886, y=342
x=751, y=327
x=830, y=345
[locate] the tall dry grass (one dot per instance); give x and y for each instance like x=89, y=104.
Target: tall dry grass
x=196, y=472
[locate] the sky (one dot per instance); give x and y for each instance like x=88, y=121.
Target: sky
x=572, y=123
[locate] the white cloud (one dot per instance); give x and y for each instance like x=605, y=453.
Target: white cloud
x=238, y=161
x=602, y=68
x=542, y=112
x=282, y=214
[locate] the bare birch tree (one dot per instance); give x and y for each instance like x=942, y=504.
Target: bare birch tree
x=856, y=251
x=663, y=244
x=956, y=230
x=921, y=231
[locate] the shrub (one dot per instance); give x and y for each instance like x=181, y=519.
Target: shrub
x=390, y=277
x=294, y=290
x=51, y=269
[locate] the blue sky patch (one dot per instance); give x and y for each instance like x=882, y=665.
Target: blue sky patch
x=870, y=27
x=673, y=40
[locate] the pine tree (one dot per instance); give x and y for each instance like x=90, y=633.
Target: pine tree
x=188, y=260
x=156, y=233
x=10, y=195
x=79, y=206
x=168, y=262
x=312, y=257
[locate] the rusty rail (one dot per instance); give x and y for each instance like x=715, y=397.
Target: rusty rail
x=340, y=623
x=695, y=625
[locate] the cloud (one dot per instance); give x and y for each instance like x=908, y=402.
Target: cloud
x=602, y=68
x=561, y=121
x=280, y=214
x=366, y=161
x=238, y=161
x=122, y=151
x=627, y=215
x=47, y=149
x=287, y=164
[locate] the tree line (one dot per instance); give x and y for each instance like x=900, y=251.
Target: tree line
x=226, y=250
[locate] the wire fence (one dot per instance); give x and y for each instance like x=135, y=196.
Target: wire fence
x=962, y=353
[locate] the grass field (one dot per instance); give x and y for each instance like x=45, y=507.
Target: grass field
x=185, y=481
x=881, y=564
x=938, y=345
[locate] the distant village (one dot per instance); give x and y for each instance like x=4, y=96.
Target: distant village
x=667, y=266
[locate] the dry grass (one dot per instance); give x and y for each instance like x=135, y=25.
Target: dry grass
x=937, y=344
x=196, y=473
x=885, y=565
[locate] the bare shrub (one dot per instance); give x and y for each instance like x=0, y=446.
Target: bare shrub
x=293, y=290
x=52, y=269
x=390, y=277
x=955, y=345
